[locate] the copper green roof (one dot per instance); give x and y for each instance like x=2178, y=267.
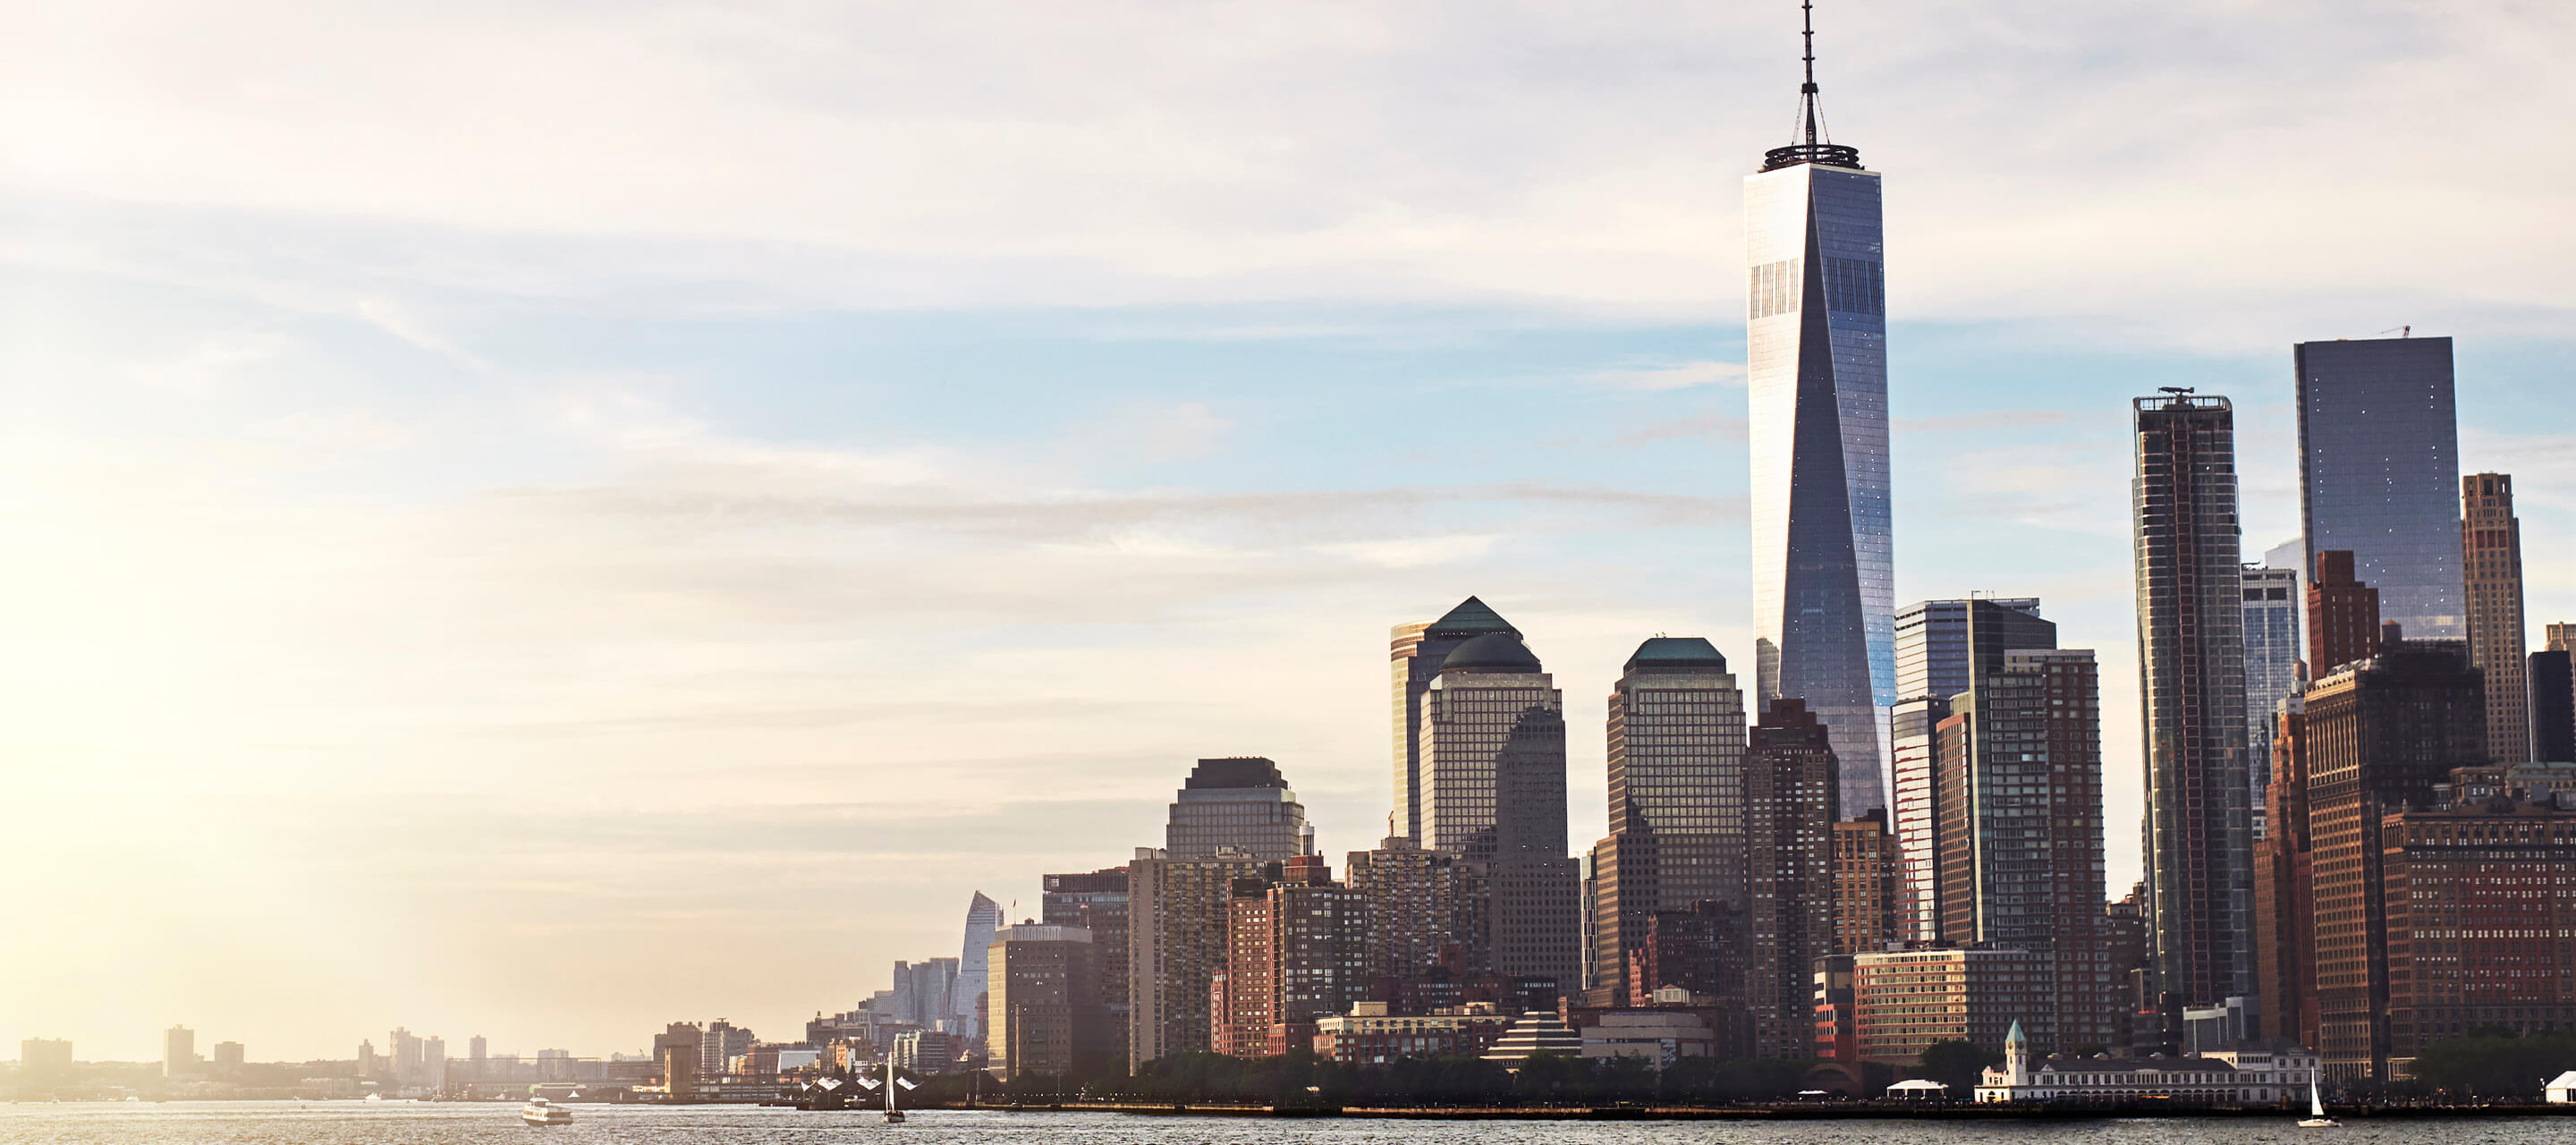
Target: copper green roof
x=1676, y=654
x=1470, y=618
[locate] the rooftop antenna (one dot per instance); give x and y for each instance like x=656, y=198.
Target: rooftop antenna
x=1807, y=91
x=1808, y=133
x=2176, y=391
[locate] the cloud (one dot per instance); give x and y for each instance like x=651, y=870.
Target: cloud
x=1725, y=427
x=1677, y=376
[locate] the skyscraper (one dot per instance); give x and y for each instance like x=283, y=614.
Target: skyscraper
x=1414, y=906
x=1676, y=765
x=2019, y=845
x=178, y=1052
x=1865, y=870
x=1238, y=802
x=1493, y=793
x=2343, y=615
x=1790, y=808
x=1944, y=646
x=983, y=915
x=2380, y=733
x=1297, y=950
x=2551, y=678
x=1097, y=902
x=1417, y=650
x=1234, y=819
x=1913, y=729
x=2191, y=668
x=2379, y=460
x=1044, y=991
x=2272, y=608
x=2491, y=545
x=1816, y=338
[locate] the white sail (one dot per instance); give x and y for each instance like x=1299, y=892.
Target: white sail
x=2316, y=1101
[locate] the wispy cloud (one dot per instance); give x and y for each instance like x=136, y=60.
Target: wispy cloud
x=1676, y=376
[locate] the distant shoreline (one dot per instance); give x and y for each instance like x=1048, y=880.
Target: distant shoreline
x=1803, y=1111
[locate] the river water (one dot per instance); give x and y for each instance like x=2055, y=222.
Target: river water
x=356, y=1123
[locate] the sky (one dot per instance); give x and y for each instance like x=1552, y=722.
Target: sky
x=544, y=519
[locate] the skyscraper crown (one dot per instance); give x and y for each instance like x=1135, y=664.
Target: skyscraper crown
x=1812, y=143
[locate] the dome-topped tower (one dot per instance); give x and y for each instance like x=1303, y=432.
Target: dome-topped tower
x=1492, y=652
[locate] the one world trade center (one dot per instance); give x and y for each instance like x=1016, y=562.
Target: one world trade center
x=1816, y=330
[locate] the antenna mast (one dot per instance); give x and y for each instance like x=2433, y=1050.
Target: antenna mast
x=1807, y=92
x=1808, y=133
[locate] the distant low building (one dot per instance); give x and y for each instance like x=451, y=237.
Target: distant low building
x=1370, y=1035
x=1533, y=1033
x=1660, y=1036
x=2242, y=1077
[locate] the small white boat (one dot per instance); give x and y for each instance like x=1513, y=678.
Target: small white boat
x=2317, y=1118
x=543, y=1112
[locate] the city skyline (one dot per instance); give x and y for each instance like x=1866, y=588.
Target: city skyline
x=410, y=630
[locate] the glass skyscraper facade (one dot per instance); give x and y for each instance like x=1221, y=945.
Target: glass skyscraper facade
x=2379, y=473
x=1816, y=333
x=1416, y=651
x=2272, y=650
x=2191, y=676
x=1676, y=764
x=1493, y=794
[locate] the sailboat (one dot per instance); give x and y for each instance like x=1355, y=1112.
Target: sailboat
x=2317, y=1118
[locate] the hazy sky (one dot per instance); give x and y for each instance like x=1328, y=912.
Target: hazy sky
x=546, y=519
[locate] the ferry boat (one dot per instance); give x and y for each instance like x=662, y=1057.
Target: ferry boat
x=543, y=1112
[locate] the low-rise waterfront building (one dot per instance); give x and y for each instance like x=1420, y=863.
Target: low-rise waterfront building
x=1369, y=1035
x=2269, y=1076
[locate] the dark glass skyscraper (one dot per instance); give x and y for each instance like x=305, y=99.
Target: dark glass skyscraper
x=2191, y=668
x=1816, y=334
x=2379, y=471
x=1493, y=794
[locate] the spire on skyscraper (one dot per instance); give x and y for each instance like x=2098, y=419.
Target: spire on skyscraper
x=1810, y=139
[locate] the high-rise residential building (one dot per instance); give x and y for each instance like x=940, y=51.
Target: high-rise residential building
x=719, y=1045
x=2191, y=645
x=2380, y=733
x=227, y=1061
x=2018, y=845
x=1240, y=803
x=1297, y=950
x=1417, y=650
x=1816, y=340
x=2551, y=685
x=1676, y=766
x=1042, y=992
x=2285, y=946
x=675, y=1050
x=2491, y=554
x=433, y=1062
x=2272, y=609
x=983, y=916
x=1493, y=793
x=178, y=1052
x=44, y=1057
x=477, y=1049
x=1415, y=907
x=925, y=992
x=2343, y=615
x=1095, y=901
x=1178, y=919
x=2478, y=919
x=366, y=1059
x=1906, y=1000
x=1913, y=730
x=2124, y=922
x=2559, y=637
x=2379, y=461
x=1865, y=885
x=1238, y=819
x=1944, y=646
x=408, y=1062
x=1791, y=803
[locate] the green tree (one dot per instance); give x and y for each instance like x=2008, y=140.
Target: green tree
x=1956, y=1064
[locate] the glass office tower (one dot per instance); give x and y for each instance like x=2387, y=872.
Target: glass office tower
x=1816, y=332
x=2272, y=650
x=2379, y=473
